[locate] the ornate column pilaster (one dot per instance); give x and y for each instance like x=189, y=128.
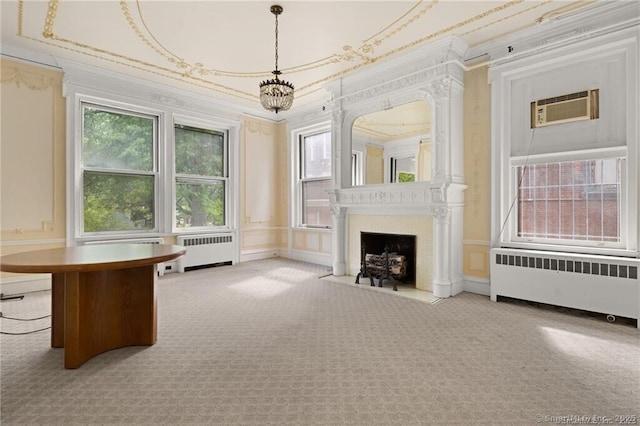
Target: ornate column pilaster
x=442, y=282
x=339, y=239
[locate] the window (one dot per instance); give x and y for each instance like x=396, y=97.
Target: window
x=201, y=177
x=118, y=170
x=141, y=171
x=403, y=169
x=574, y=202
x=315, y=179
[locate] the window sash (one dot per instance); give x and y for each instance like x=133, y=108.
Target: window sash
x=195, y=152
x=580, y=204
x=152, y=162
x=311, y=156
x=200, y=203
x=315, y=150
x=201, y=200
x=106, y=211
x=315, y=211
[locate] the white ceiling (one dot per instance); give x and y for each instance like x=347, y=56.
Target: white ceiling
x=226, y=48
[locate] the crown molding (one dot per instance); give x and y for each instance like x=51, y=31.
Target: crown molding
x=85, y=76
x=600, y=19
x=26, y=56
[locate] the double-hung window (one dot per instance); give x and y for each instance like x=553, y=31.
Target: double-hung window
x=119, y=170
x=140, y=171
x=575, y=199
x=315, y=179
x=201, y=177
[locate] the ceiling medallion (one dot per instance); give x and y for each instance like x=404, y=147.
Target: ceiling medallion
x=275, y=94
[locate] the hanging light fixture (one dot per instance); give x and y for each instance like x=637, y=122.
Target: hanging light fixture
x=275, y=94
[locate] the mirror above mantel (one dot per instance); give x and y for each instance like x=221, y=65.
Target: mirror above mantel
x=392, y=145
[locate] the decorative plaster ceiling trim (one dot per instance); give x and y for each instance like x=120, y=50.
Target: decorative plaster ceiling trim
x=188, y=76
x=511, y=16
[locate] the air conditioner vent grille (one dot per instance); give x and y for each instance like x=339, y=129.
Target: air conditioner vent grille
x=571, y=96
x=566, y=110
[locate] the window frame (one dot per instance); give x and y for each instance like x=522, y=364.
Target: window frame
x=198, y=113
x=510, y=236
x=179, y=120
x=80, y=168
x=298, y=207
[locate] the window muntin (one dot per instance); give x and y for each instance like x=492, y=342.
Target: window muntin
x=118, y=170
x=575, y=202
x=315, y=179
x=201, y=177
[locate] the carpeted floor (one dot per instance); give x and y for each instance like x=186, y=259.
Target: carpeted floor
x=269, y=343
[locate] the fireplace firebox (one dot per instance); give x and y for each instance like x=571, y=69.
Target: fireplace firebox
x=388, y=256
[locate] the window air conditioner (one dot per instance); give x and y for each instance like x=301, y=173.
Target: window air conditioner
x=565, y=108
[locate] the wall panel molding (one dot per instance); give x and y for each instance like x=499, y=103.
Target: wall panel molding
x=33, y=157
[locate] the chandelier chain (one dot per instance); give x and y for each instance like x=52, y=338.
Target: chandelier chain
x=275, y=94
x=276, y=42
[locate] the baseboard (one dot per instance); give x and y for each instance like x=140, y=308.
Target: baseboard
x=247, y=256
x=27, y=284
x=477, y=285
x=310, y=257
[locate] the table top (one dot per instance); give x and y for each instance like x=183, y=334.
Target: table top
x=98, y=257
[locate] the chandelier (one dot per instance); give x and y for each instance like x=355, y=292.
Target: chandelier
x=275, y=94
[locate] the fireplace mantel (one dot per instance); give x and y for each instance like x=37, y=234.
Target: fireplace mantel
x=441, y=201
x=411, y=198
x=435, y=75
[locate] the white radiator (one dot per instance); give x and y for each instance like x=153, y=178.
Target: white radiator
x=205, y=250
x=602, y=284
x=156, y=240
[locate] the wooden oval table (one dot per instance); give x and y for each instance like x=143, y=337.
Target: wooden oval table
x=103, y=297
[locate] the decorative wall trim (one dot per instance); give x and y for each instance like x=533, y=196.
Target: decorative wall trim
x=32, y=80
x=259, y=126
x=50, y=218
x=5, y=243
x=414, y=198
x=263, y=228
x=477, y=243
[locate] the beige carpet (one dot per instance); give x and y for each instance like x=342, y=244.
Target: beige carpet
x=269, y=343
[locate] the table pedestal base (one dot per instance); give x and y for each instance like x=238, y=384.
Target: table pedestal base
x=96, y=311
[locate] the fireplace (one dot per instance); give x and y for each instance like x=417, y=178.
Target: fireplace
x=375, y=243
x=420, y=227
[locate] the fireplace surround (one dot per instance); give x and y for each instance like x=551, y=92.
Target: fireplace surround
x=435, y=77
